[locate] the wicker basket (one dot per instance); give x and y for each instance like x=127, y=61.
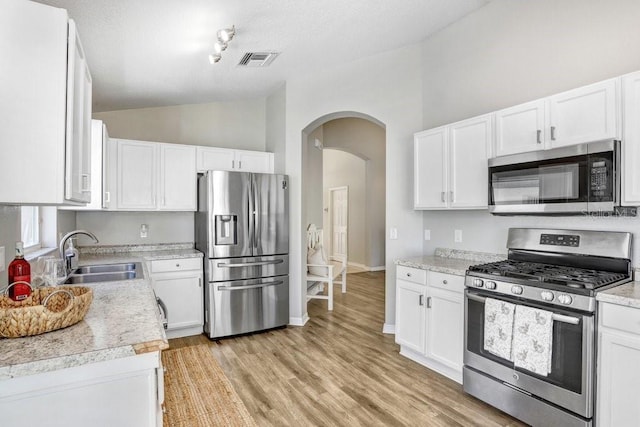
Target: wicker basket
x=45, y=310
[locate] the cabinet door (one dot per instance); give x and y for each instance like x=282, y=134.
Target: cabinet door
x=429, y=169
x=178, y=177
x=631, y=140
x=586, y=114
x=445, y=326
x=410, y=315
x=181, y=292
x=137, y=175
x=110, y=176
x=469, y=149
x=520, y=129
x=78, y=129
x=211, y=158
x=253, y=161
x=618, y=398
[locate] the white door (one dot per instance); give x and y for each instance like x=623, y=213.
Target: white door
x=445, y=326
x=585, y=114
x=253, y=161
x=339, y=217
x=182, y=295
x=520, y=129
x=137, y=175
x=430, y=169
x=631, y=138
x=469, y=149
x=211, y=158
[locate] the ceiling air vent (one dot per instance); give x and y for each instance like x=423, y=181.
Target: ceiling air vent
x=257, y=59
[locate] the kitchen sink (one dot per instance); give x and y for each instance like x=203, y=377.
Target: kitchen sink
x=105, y=273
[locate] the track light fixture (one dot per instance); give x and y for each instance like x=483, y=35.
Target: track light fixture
x=224, y=35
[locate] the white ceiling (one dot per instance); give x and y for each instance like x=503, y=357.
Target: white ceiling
x=147, y=53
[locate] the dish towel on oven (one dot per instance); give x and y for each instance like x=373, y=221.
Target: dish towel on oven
x=498, y=327
x=533, y=339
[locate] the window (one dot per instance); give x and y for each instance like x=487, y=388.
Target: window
x=30, y=227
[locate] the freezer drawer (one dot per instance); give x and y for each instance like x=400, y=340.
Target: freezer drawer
x=224, y=269
x=242, y=306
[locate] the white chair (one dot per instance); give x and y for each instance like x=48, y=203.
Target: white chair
x=319, y=271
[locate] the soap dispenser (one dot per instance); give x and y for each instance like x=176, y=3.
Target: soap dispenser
x=71, y=256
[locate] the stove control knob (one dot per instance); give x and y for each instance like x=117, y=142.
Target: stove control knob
x=517, y=290
x=490, y=285
x=565, y=299
x=478, y=283
x=546, y=295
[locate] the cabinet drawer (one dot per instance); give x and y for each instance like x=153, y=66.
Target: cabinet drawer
x=411, y=274
x=620, y=317
x=179, y=264
x=449, y=282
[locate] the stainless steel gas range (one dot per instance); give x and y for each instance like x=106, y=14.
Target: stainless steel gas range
x=544, y=378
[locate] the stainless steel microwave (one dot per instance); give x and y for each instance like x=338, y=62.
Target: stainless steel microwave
x=578, y=179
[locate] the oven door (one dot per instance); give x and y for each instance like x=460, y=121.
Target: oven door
x=570, y=383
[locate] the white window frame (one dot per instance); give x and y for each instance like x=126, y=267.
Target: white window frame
x=35, y=219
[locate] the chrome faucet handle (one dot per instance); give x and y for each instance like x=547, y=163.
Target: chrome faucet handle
x=67, y=236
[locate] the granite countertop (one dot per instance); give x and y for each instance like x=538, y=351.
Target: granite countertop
x=123, y=321
x=627, y=294
x=449, y=261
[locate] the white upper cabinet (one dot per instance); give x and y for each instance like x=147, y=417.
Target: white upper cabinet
x=450, y=165
x=213, y=158
x=520, y=129
x=150, y=176
x=631, y=140
x=586, y=114
x=430, y=172
x=46, y=106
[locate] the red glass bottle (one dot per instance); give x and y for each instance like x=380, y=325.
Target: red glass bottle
x=19, y=271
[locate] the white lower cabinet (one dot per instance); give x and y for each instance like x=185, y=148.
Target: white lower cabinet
x=126, y=392
x=430, y=319
x=618, y=400
x=178, y=284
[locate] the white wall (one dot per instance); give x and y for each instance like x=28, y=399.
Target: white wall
x=239, y=124
x=386, y=87
x=366, y=140
x=344, y=169
x=9, y=235
x=313, y=175
x=275, y=127
x=510, y=52
x=123, y=228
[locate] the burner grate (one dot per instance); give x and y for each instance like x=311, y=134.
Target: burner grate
x=549, y=273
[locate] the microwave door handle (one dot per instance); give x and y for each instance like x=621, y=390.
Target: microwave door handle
x=556, y=317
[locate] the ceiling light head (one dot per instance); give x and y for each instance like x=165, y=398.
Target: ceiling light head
x=214, y=57
x=218, y=47
x=225, y=35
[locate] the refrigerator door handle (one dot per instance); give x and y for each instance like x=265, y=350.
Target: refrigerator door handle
x=251, y=217
x=250, y=264
x=243, y=288
x=256, y=216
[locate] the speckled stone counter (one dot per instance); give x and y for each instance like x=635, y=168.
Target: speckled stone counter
x=449, y=261
x=123, y=320
x=627, y=294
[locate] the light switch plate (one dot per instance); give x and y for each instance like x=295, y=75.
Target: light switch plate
x=427, y=234
x=144, y=231
x=457, y=236
x=393, y=233
x=2, y=267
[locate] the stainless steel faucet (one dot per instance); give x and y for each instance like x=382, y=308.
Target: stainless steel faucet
x=68, y=260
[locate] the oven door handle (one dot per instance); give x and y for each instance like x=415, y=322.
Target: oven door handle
x=556, y=317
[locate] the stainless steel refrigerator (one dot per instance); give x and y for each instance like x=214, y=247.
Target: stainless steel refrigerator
x=242, y=226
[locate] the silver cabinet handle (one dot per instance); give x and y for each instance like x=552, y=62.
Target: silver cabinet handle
x=421, y=300
x=408, y=274
x=239, y=164
x=451, y=196
x=428, y=302
x=444, y=282
x=553, y=133
x=442, y=196
x=539, y=136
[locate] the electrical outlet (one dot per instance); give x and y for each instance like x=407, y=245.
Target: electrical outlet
x=2, y=258
x=393, y=233
x=144, y=231
x=457, y=236
x=427, y=234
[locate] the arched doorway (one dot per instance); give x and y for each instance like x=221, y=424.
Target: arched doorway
x=362, y=136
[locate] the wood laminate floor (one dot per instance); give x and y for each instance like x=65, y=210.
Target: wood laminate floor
x=340, y=370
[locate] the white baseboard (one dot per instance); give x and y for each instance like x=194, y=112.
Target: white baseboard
x=389, y=329
x=378, y=268
x=298, y=321
x=366, y=267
